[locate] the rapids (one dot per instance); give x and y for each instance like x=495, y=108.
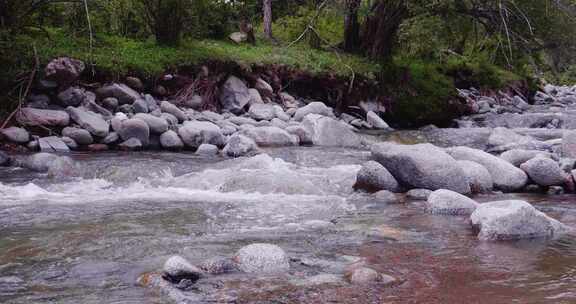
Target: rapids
x=86, y=238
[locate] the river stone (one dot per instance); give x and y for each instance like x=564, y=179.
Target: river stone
x=478, y=177
x=567, y=164
x=132, y=144
x=513, y=220
x=239, y=120
x=239, y=145
x=264, y=88
x=262, y=258
x=53, y=164
x=72, y=97
x=261, y=111
x=207, y=149
x=110, y=103
x=275, y=122
x=195, y=133
x=318, y=108
x=96, y=108
x=569, y=144
x=140, y=106
x=450, y=203
x=176, y=269
x=195, y=102
x=544, y=171
x=39, y=117
x=71, y=143
x=363, y=275
x=506, y=177
x=374, y=177
x=504, y=136
x=5, y=160
x=234, y=95
x=255, y=97
x=168, y=107
x=302, y=133
x=519, y=156
x=170, y=140
x=375, y=121
x=218, y=266
x=157, y=125
x=123, y=93
x=386, y=197
x=326, y=131
x=421, y=166
x=112, y=138
x=52, y=144
x=80, y=136
x=135, y=128
x=419, y=194
x=90, y=121
x=289, y=102
x=16, y=135
x=64, y=70
x=270, y=136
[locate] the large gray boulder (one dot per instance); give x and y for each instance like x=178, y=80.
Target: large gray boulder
x=513, y=220
x=270, y=136
x=52, y=144
x=123, y=93
x=239, y=145
x=326, y=131
x=262, y=258
x=157, y=125
x=520, y=156
x=544, y=171
x=80, y=136
x=16, y=135
x=64, y=70
x=195, y=133
x=318, y=108
x=448, y=202
x=261, y=111
x=171, y=141
x=421, y=166
x=303, y=134
x=135, y=128
x=90, y=121
x=234, y=95
x=478, y=177
x=506, y=177
x=39, y=117
x=373, y=177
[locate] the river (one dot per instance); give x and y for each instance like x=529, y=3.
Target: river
x=87, y=238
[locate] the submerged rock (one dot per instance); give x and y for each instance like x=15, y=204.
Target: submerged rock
x=513, y=220
x=176, y=269
x=419, y=194
x=505, y=175
x=262, y=258
x=421, y=166
x=219, y=266
x=375, y=177
x=450, y=203
x=386, y=197
x=46, y=162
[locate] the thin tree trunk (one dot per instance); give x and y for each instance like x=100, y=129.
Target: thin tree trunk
x=268, y=19
x=313, y=39
x=351, y=26
x=381, y=28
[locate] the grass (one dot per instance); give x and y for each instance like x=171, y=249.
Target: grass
x=118, y=55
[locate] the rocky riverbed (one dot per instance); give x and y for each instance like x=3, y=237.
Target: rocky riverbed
x=278, y=199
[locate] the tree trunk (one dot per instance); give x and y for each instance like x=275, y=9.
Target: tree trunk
x=381, y=29
x=351, y=26
x=268, y=19
x=313, y=40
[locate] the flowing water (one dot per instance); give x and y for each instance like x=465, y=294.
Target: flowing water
x=86, y=239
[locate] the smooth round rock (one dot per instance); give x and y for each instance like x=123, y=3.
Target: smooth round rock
x=262, y=258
